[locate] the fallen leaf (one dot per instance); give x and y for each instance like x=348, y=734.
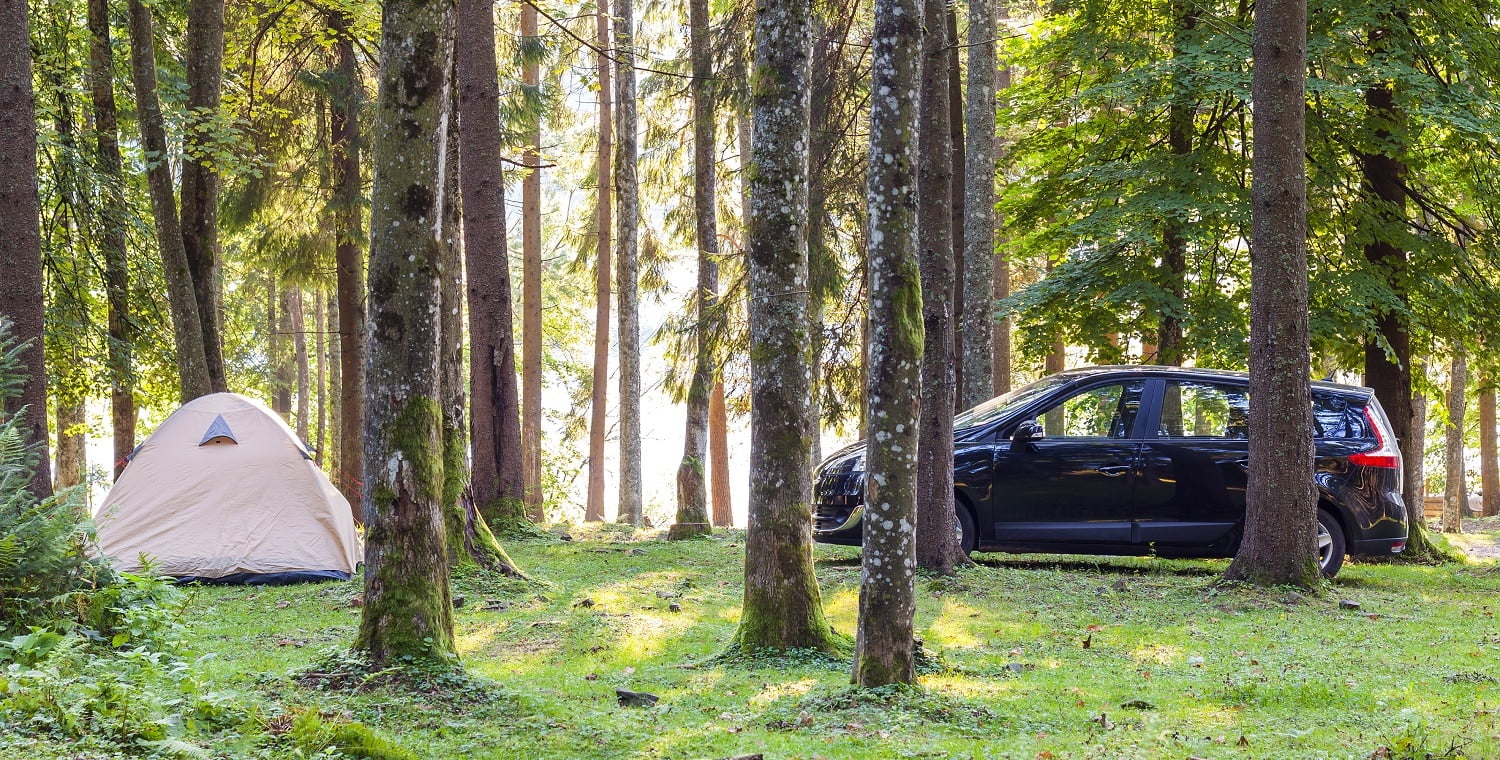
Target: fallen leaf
x=629, y=669
x=283, y=605
x=804, y=719
x=1088, y=641
x=1243, y=742
x=591, y=677
x=1104, y=722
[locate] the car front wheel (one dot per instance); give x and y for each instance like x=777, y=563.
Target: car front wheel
x=1331, y=545
x=967, y=537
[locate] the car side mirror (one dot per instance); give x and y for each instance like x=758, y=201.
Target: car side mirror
x=1027, y=432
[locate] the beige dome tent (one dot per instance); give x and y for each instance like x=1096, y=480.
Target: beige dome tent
x=224, y=492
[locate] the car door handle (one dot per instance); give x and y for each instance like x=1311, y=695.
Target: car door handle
x=1114, y=470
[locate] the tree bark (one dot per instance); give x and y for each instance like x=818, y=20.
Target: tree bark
x=349, y=261
x=72, y=459
x=335, y=392
x=468, y=536
x=1279, y=545
x=957, y=163
x=187, y=325
x=531, y=286
x=1489, y=458
x=283, y=368
x=112, y=219
x=627, y=274
x=976, y=325
x=1413, y=476
x=1174, y=234
x=297, y=316
x=782, y=605
x=718, y=450
x=204, y=64
x=603, y=200
x=1388, y=360
x=495, y=421
x=320, y=382
x=937, y=546
x=884, y=647
x=1001, y=327
x=407, y=610
x=692, y=490
x=1455, y=494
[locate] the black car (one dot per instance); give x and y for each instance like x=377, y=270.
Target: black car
x=1140, y=460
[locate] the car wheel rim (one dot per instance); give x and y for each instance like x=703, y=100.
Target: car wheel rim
x=1325, y=545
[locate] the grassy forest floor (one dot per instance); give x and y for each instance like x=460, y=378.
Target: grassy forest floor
x=1031, y=657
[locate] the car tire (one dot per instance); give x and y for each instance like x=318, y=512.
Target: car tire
x=967, y=536
x=1331, y=545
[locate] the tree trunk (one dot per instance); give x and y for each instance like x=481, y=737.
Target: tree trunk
x=1413, y=478
x=956, y=201
x=72, y=459
x=297, y=316
x=349, y=261
x=627, y=275
x=1388, y=360
x=112, y=219
x=1489, y=465
x=976, y=338
x=1000, y=334
x=283, y=370
x=782, y=606
x=335, y=393
x=821, y=266
x=187, y=326
x=692, y=491
x=1279, y=544
x=603, y=200
x=407, y=611
x=937, y=547
x=718, y=450
x=1455, y=494
x=1174, y=235
x=884, y=647
x=468, y=536
x=495, y=419
x=531, y=287
x=320, y=383
x=204, y=64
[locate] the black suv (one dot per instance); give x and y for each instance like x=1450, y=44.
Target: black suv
x=1140, y=460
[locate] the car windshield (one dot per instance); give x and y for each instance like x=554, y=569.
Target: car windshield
x=998, y=406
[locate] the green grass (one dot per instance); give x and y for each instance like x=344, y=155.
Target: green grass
x=1036, y=657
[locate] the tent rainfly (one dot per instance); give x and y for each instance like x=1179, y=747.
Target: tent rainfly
x=223, y=492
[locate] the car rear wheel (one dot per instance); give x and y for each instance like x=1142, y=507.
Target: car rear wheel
x=1331, y=545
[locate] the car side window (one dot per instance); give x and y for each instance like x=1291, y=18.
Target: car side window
x=1107, y=411
x=1204, y=410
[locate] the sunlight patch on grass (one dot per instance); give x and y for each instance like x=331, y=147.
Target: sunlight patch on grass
x=1157, y=654
x=472, y=637
x=953, y=627
x=776, y=692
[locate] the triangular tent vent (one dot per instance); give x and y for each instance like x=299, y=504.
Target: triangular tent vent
x=218, y=432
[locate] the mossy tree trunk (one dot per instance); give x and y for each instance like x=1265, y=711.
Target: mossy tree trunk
x=1455, y=495
x=884, y=647
x=468, y=535
x=937, y=546
x=1413, y=484
x=495, y=422
x=627, y=193
x=187, y=327
x=782, y=605
x=692, y=485
x=407, y=610
x=1279, y=545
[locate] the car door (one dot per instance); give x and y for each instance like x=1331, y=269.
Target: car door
x=1191, y=486
x=1073, y=483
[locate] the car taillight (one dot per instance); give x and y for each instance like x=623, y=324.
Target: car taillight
x=1385, y=454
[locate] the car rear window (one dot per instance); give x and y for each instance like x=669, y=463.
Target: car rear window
x=1334, y=417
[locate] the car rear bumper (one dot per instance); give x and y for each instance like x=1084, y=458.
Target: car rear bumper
x=1377, y=547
